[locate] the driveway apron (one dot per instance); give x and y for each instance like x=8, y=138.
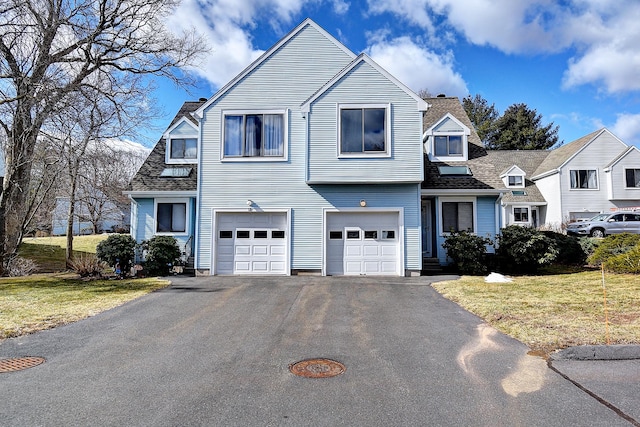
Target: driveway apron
x=217, y=351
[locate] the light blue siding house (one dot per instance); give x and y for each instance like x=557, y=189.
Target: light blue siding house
x=309, y=160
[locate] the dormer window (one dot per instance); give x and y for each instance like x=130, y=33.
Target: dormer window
x=450, y=145
x=447, y=140
x=516, y=181
x=183, y=148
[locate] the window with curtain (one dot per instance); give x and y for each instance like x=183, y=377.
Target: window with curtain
x=633, y=178
x=171, y=218
x=183, y=148
x=254, y=135
x=363, y=130
x=584, y=178
x=457, y=216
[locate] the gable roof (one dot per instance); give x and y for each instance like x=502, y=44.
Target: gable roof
x=306, y=23
x=484, y=175
x=363, y=57
x=526, y=160
x=622, y=155
x=148, y=178
x=558, y=157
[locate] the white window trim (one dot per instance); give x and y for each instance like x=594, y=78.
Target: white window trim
x=187, y=226
x=171, y=161
x=285, y=142
x=624, y=177
x=513, y=214
x=442, y=200
x=585, y=189
x=387, y=123
x=518, y=185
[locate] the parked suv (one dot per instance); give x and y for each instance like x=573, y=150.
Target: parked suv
x=605, y=224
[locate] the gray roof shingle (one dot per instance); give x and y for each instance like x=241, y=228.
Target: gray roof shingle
x=148, y=176
x=528, y=161
x=484, y=174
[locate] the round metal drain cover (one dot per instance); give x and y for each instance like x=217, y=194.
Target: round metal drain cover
x=317, y=368
x=20, y=363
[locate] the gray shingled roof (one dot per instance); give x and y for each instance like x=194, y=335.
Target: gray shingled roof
x=148, y=177
x=484, y=174
x=528, y=161
x=558, y=156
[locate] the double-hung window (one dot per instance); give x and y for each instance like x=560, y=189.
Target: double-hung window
x=584, y=179
x=254, y=135
x=183, y=148
x=171, y=217
x=457, y=216
x=632, y=178
x=364, y=130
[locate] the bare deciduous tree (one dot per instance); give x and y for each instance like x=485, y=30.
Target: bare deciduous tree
x=51, y=49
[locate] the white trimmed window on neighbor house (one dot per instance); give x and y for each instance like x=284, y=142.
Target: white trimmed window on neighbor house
x=632, y=178
x=584, y=179
x=521, y=214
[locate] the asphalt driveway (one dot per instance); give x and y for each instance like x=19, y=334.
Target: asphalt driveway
x=216, y=351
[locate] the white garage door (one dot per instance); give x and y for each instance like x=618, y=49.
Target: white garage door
x=363, y=243
x=251, y=243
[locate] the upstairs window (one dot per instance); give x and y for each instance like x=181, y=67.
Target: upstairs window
x=449, y=146
x=633, y=178
x=363, y=130
x=183, y=148
x=516, y=181
x=254, y=135
x=584, y=179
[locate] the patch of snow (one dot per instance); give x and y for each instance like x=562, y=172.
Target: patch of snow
x=497, y=278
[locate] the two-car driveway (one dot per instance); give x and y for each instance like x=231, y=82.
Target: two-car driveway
x=216, y=351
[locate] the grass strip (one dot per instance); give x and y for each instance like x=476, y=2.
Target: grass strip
x=34, y=303
x=554, y=311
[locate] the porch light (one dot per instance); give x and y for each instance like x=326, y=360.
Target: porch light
x=363, y=203
x=249, y=202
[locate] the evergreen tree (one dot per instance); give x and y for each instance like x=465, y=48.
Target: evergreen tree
x=483, y=116
x=520, y=128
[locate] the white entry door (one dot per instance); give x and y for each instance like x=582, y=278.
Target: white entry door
x=251, y=243
x=363, y=244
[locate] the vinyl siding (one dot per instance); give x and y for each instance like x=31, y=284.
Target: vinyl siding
x=365, y=85
x=284, y=80
x=594, y=156
x=485, y=224
x=550, y=188
x=617, y=179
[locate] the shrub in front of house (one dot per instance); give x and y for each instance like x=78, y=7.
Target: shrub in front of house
x=628, y=262
x=612, y=246
x=570, y=250
x=162, y=253
x=117, y=249
x=525, y=249
x=467, y=251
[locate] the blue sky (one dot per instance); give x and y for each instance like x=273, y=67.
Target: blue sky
x=577, y=62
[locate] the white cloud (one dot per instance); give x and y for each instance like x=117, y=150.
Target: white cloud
x=340, y=7
x=627, y=128
x=417, y=67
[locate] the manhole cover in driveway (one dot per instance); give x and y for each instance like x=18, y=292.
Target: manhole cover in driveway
x=317, y=368
x=20, y=363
